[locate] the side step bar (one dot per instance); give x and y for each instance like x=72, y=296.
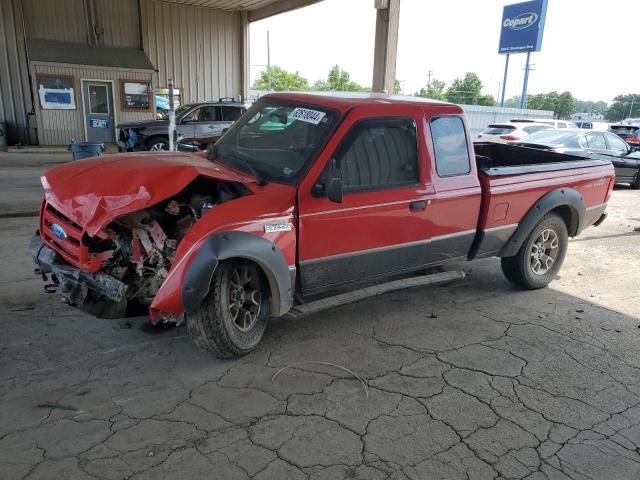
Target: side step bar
x=300, y=311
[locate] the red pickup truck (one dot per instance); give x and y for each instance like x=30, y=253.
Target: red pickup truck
x=307, y=194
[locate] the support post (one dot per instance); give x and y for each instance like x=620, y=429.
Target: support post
x=269, y=60
x=172, y=117
x=246, y=68
x=523, y=98
x=504, y=80
x=386, y=45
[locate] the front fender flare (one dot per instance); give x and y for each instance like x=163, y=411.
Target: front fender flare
x=226, y=245
x=561, y=197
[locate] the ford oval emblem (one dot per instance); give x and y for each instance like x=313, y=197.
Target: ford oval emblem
x=58, y=231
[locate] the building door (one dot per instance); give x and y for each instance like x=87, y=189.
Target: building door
x=98, y=111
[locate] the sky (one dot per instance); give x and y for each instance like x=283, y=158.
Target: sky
x=590, y=47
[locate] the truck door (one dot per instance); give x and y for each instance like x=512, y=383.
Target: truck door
x=382, y=224
x=455, y=206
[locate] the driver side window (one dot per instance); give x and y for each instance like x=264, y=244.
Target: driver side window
x=379, y=153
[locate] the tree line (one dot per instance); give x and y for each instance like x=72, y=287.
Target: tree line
x=466, y=90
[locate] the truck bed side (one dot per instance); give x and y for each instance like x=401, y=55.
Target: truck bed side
x=514, y=179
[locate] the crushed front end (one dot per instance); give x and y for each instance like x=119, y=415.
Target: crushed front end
x=118, y=270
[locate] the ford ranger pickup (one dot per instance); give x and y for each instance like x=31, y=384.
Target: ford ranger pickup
x=306, y=195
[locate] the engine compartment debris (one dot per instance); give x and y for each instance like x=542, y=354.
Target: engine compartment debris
x=138, y=249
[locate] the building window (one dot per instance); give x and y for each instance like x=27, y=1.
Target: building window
x=162, y=100
x=450, y=146
x=379, y=153
x=135, y=95
x=56, y=92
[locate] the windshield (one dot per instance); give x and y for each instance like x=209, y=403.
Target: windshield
x=275, y=140
x=184, y=109
x=552, y=137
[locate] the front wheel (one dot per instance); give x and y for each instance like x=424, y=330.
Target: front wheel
x=158, y=144
x=539, y=259
x=232, y=319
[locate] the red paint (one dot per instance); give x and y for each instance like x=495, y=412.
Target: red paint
x=94, y=192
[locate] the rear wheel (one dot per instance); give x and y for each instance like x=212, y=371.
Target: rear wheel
x=158, y=144
x=232, y=319
x=539, y=259
x=635, y=185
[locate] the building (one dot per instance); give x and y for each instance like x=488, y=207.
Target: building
x=74, y=69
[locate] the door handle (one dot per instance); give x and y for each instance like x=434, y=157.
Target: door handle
x=418, y=205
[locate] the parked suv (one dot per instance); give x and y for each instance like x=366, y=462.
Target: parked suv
x=197, y=124
x=630, y=133
x=553, y=123
x=510, y=131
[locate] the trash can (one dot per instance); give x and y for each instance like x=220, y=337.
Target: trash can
x=85, y=150
x=3, y=136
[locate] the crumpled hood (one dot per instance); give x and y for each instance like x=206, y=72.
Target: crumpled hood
x=95, y=191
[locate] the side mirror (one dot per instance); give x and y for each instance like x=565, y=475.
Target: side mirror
x=334, y=185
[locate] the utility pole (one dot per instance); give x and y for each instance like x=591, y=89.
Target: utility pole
x=268, y=61
x=633, y=99
x=523, y=98
x=429, y=73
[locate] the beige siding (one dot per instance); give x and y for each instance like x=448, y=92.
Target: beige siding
x=120, y=21
x=199, y=48
x=55, y=20
x=65, y=20
x=15, y=101
x=59, y=127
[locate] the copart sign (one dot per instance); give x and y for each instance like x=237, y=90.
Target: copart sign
x=522, y=27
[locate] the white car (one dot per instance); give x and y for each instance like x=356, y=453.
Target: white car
x=548, y=121
x=510, y=131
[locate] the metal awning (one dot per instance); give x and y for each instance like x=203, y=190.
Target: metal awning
x=53, y=51
x=257, y=9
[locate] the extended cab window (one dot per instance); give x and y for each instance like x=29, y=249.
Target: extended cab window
x=379, y=153
x=450, y=146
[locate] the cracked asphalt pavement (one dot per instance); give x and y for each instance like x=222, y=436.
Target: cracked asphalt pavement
x=472, y=380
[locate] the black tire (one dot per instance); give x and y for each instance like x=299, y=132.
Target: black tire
x=635, y=185
x=158, y=144
x=213, y=326
x=520, y=269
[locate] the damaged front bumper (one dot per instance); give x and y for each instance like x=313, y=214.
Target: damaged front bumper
x=72, y=283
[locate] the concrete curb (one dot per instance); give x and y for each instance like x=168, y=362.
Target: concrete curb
x=33, y=213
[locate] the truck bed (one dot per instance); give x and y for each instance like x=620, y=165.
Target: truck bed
x=499, y=159
x=514, y=178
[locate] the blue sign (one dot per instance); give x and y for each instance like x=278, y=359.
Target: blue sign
x=522, y=27
x=96, y=123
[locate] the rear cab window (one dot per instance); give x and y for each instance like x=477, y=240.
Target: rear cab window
x=450, y=146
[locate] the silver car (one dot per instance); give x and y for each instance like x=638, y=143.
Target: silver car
x=197, y=124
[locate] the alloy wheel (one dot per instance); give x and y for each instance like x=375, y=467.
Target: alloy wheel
x=244, y=296
x=544, y=251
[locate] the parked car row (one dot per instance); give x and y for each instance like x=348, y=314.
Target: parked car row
x=620, y=143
